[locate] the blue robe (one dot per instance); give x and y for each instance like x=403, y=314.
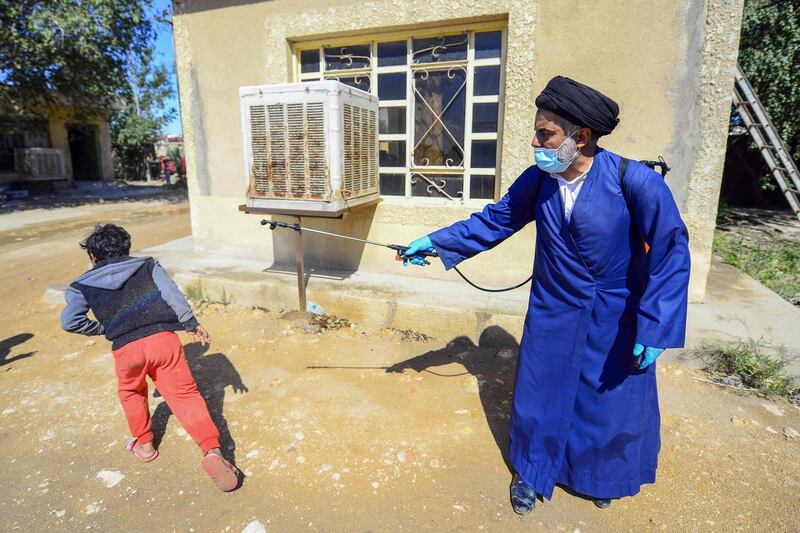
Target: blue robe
x=582, y=416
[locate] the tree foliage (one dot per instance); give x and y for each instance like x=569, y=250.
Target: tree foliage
x=69, y=51
x=769, y=53
x=92, y=56
x=135, y=128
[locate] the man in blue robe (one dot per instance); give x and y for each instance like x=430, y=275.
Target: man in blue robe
x=584, y=416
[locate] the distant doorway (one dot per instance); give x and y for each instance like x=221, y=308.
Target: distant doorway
x=84, y=150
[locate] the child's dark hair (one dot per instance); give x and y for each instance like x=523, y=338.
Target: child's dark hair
x=107, y=241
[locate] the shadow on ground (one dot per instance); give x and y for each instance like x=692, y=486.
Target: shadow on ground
x=492, y=361
x=213, y=373
x=7, y=344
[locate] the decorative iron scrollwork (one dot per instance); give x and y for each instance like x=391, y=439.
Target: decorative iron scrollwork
x=436, y=49
x=424, y=73
x=433, y=186
x=348, y=58
x=357, y=77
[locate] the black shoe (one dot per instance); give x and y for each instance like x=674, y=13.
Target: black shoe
x=602, y=503
x=523, y=497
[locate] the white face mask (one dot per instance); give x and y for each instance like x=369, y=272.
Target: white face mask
x=555, y=160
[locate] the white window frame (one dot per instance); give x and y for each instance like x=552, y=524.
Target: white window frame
x=469, y=64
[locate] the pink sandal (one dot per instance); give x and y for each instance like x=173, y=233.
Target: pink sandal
x=131, y=447
x=224, y=475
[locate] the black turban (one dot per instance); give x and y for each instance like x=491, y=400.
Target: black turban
x=580, y=104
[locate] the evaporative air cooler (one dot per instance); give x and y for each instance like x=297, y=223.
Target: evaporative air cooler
x=309, y=148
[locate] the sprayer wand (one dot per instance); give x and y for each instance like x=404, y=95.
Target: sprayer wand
x=399, y=249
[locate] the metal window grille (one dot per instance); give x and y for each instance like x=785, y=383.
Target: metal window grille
x=449, y=149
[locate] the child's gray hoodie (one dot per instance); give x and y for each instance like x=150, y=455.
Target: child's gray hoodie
x=130, y=297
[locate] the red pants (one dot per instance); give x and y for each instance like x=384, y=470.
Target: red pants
x=160, y=356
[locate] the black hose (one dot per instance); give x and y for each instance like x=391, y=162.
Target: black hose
x=484, y=289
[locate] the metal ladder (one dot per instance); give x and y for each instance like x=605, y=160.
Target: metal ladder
x=770, y=144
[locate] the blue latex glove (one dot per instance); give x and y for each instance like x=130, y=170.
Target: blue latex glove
x=423, y=244
x=650, y=354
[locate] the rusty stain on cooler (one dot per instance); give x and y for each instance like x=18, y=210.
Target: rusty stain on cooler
x=288, y=152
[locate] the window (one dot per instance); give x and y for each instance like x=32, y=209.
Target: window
x=440, y=106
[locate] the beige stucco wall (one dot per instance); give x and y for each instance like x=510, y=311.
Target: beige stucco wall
x=668, y=64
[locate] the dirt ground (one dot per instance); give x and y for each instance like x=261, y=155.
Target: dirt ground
x=347, y=430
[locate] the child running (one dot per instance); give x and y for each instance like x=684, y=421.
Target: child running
x=138, y=308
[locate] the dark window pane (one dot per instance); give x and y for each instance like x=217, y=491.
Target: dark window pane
x=452, y=185
x=481, y=186
x=346, y=57
x=392, y=120
x=392, y=153
x=484, y=118
x=309, y=61
x=393, y=184
x=487, y=44
x=390, y=54
x=440, y=94
x=435, y=49
x=392, y=86
x=487, y=81
x=484, y=154
x=7, y=159
x=359, y=82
